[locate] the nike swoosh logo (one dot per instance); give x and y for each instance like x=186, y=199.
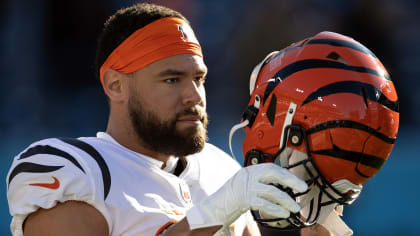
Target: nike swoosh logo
x=54, y=185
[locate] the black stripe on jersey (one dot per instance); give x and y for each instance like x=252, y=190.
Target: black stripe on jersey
x=357, y=157
x=41, y=149
x=362, y=89
x=106, y=176
x=350, y=124
x=316, y=64
x=343, y=43
x=31, y=168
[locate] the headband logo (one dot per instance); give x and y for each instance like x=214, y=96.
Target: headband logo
x=184, y=35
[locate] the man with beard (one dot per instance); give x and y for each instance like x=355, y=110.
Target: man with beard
x=151, y=172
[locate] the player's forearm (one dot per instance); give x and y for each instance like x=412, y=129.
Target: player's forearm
x=182, y=228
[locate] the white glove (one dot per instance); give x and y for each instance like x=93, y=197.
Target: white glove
x=248, y=189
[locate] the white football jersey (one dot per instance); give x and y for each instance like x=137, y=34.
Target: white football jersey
x=134, y=194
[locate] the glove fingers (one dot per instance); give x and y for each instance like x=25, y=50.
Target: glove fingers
x=276, y=196
x=273, y=174
x=268, y=208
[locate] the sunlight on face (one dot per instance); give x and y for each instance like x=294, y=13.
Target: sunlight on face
x=167, y=105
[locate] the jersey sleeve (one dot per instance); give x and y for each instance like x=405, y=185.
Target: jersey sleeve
x=50, y=172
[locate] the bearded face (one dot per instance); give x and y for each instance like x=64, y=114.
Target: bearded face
x=165, y=136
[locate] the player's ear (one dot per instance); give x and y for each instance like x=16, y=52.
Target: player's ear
x=113, y=84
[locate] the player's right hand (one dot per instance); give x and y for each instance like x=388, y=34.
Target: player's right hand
x=249, y=189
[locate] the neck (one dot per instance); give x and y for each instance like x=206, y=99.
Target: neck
x=124, y=134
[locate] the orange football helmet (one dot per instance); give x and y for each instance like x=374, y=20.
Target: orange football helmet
x=327, y=97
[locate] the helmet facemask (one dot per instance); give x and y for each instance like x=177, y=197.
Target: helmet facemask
x=321, y=197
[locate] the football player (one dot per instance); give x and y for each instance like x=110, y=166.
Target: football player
x=326, y=109
x=151, y=172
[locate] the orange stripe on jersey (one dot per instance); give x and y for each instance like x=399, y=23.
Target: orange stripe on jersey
x=232, y=227
x=165, y=227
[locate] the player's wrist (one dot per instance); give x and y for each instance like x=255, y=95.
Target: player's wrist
x=201, y=218
x=222, y=207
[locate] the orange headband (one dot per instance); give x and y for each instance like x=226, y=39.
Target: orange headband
x=162, y=38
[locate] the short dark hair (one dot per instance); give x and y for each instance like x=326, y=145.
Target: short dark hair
x=123, y=23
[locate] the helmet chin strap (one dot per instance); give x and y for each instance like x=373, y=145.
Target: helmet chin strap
x=284, y=155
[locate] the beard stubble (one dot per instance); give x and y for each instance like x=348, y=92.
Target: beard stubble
x=162, y=136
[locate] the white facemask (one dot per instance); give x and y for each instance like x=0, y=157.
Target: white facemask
x=329, y=216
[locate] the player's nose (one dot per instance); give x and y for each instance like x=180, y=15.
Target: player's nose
x=193, y=94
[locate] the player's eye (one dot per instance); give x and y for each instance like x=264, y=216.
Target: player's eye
x=200, y=79
x=171, y=80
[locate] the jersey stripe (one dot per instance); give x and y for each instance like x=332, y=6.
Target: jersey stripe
x=106, y=176
x=31, y=168
x=165, y=227
x=46, y=149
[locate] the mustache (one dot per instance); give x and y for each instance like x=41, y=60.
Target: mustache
x=193, y=111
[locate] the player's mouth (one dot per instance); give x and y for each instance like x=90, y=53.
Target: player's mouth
x=190, y=120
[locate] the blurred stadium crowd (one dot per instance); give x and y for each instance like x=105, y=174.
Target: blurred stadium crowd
x=49, y=87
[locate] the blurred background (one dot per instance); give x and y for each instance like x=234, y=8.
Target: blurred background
x=47, y=51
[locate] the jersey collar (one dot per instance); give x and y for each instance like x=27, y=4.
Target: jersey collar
x=170, y=165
